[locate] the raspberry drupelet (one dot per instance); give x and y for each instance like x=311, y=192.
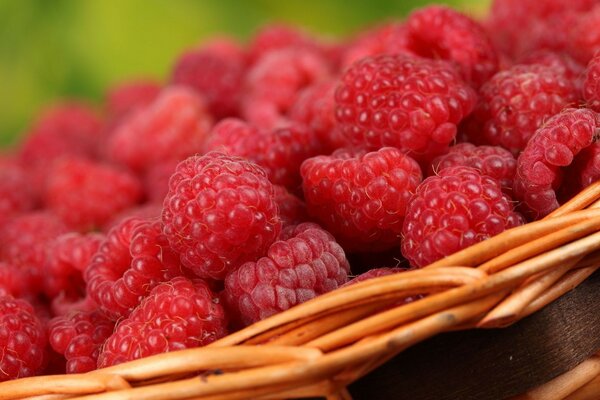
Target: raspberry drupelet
x=303, y=264
x=401, y=101
x=178, y=314
x=220, y=212
x=361, y=197
x=454, y=210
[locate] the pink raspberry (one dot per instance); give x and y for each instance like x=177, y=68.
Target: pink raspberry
x=272, y=83
x=410, y=103
x=86, y=194
x=172, y=127
x=591, y=84
x=361, y=197
x=454, y=210
x=134, y=258
x=126, y=97
x=305, y=263
x=23, y=242
x=279, y=151
x=279, y=37
x=156, y=180
x=22, y=340
x=219, y=213
x=16, y=194
x=176, y=315
x=493, y=161
x=292, y=210
x=79, y=338
x=441, y=32
x=517, y=101
x=216, y=72
x=552, y=147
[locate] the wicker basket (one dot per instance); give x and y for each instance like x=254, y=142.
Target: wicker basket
x=318, y=348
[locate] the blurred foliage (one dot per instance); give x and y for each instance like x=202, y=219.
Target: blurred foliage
x=53, y=49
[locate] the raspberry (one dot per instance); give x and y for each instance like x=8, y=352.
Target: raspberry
x=279, y=37
x=554, y=145
x=314, y=107
x=361, y=197
x=126, y=97
x=22, y=340
x=64, y=305
x=557, y=60
x=216, y=72
x=584, y=35
x=493, y=161
x=305, y=263
x=66, y=258
x=16, y=195
x=176, y=315
x=12, y=281
x=591, y=84
x=279, y=151
x=134, y=258
x=79, y=337
x=272, y=83
x=220, y=212
x=73, y=192
x=156, y=180
x=452, y=211
x=373, y=273
x=147, y=211
x=23, y=242
x=292, y=210
x=517, y=101
x=410, y=103
x=441, y=32
x=172, y=127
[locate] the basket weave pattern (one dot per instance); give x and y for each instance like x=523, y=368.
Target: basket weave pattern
x=323, y=345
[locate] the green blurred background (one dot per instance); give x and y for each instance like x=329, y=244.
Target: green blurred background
x=54, y=49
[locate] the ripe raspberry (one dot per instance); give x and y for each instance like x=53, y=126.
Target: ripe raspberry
x=410, y=103
x=220, y=212
x=216, y=72
x=517, y=101
x=554, y=145
x=560, y=61
x=172, y=127
x=279, y=151
x=441, y=32
x=23, y=242
x=67, y=256
x=147, y=211
x=85, y=194
x=22, y=340
x=452, y=211
x=272, y=83
x=176, y=315
x=493, y=161
x=584, y=35
x=64, y=305
x=79, y=337
x=305, y=263
x=292, y=210
x=591, y=84
x=12, y=281
x=156, y=180
x=129, y=96
x=279, y=37
x=361, y=197
x=134, y=258
x=16, y=195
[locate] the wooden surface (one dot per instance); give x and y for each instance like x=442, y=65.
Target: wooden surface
x=494, y=364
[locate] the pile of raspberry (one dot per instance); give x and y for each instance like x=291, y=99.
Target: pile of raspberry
x=256, y=177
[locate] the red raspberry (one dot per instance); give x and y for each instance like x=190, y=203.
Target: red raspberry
x=85, y=194
x=272, y=83
x=305, y=263
x=557, y=60
x=156, y=180
x=134, y=258
x=220, y=212
x=16, y=194
x=66, y=258
x=79, y=337
x=22, y=340
x=172, y=127
x=441, y=32
x=292, y=210
x=23, y=242
x=410, y=103
x=373, y=273
x=147, y=211
x=129, y=96
x=315, y=107
x=279, y=151
x=64, y=305
x=361, y=197
x=591, y=84
x=176, y=315
x=216, y=72
x=517, y=101
x=12, y=281
x=493, y=161
x=584, y=35
x=279, y=37
x=454, y=210
x=554, y=145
